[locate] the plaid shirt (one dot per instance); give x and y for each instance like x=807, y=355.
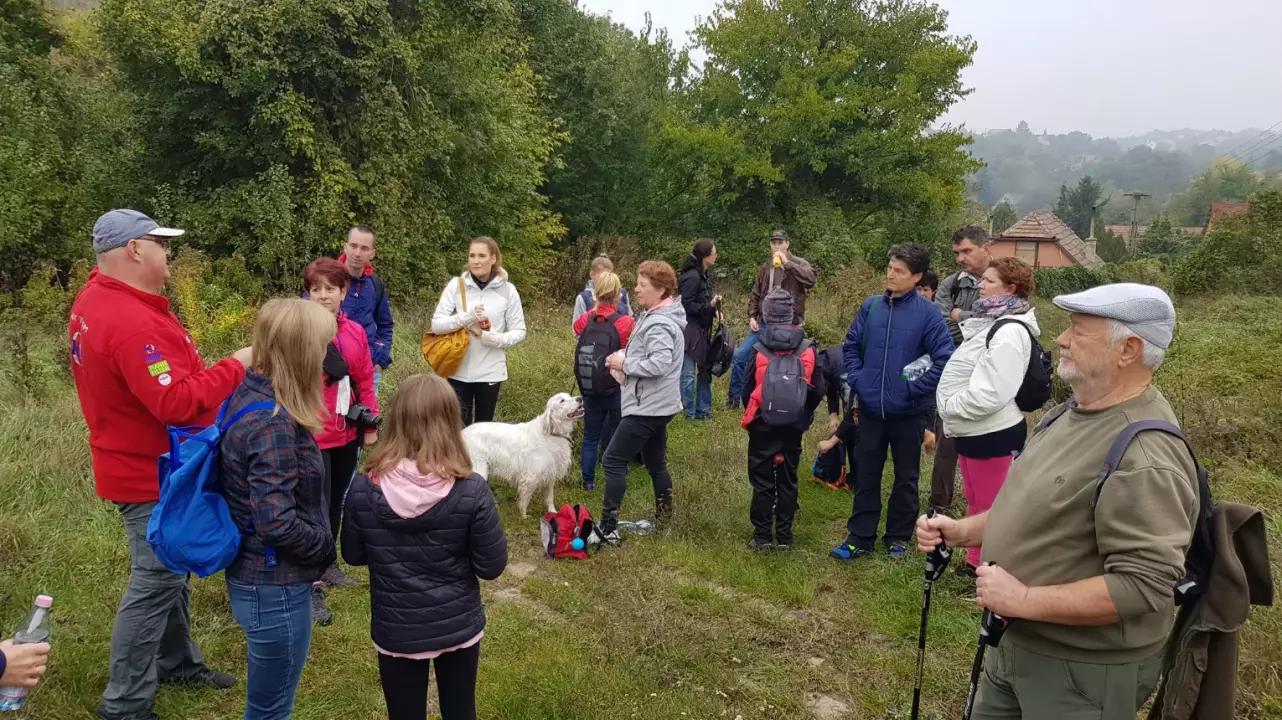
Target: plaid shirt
x=274, y=480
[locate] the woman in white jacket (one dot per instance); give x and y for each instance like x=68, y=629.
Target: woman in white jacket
x=496, y=321
x=976, y=394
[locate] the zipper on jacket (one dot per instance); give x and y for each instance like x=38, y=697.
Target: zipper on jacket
x=885, y=357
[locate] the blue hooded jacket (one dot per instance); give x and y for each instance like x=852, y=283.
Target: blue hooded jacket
x=367, y=306
x=888, y=334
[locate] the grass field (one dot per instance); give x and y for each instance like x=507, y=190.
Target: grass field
x=683, y=625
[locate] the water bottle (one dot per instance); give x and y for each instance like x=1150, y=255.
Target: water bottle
x=34, y=629
x=635, y=527
x=916, y=368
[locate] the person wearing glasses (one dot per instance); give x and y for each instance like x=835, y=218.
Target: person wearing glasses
x=136, y=371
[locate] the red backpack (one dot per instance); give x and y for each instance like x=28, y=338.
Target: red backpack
x=561, y=528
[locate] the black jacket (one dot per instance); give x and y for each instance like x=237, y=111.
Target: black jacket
x=696, y=300
x=423, y=571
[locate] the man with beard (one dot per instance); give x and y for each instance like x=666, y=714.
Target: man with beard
x=1085, y=573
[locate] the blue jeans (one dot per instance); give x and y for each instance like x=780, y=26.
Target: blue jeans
x=739, y=367
x=277, y=620
x=600, y=418
x=689, y=371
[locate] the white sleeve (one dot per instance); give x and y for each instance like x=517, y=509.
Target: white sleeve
x=513, y=324
x=996, y=378
x=446, y=318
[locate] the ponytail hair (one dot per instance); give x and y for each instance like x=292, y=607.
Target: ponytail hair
x=703, y=247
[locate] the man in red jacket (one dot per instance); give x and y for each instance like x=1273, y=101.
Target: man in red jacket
x=136, y=371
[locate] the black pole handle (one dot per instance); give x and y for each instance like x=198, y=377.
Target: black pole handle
x=937, y=559
x=992, y=625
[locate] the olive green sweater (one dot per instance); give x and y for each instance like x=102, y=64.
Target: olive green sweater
x=1043, y=531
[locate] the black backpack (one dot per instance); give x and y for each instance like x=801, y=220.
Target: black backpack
x=720, y=349
x=784, y=388
x=599, y=339
x=1036, y=388
x=1201, y=553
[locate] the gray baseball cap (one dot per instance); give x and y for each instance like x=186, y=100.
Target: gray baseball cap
x=1146, y=310
x=117, y=227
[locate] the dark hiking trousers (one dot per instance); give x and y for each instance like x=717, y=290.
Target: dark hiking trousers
x=902, y=436
x=774, y=487
x=943, y=477
x=647, y=435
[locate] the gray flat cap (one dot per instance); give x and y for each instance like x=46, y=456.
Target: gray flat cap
x=1146, y=310
x=116, y=228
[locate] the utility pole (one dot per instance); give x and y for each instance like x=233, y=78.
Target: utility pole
x=1135, y=214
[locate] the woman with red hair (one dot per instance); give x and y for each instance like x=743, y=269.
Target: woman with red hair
x=349, y=382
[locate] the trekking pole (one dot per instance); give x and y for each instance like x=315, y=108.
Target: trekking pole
x=991, y=628
x=936, y=561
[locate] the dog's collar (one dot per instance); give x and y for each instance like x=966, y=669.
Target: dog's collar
x=566, y=436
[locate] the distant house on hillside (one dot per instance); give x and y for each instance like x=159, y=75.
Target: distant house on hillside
x=1043, y=240
x=1221, y=210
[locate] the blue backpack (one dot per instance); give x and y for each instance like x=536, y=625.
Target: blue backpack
x=191, y=528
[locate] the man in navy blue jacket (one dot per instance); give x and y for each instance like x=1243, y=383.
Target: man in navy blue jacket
x=890, y=331
x=366, y=300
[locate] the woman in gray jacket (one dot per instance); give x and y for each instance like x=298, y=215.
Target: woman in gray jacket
x=651, y=395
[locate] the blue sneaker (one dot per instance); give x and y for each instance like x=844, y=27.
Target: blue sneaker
x=846, y=551
x=898, y=551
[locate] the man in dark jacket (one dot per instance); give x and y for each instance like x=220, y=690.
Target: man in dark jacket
x=790, y=273
x=890, y=332
x=366, y=300
x=955, y=297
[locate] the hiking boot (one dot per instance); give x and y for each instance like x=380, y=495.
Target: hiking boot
x=320, y=613
x=611, y=539
x=783, y=547
x=663, y=507
x=334, y=577
x=144, y=715
x=734, y=404
x=203, y=678
x=897, y=551
x=589, y=485
x=758, y=545
x=846, y=552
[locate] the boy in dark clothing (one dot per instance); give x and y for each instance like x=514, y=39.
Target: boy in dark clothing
x=774, y=451
x=928, y=285
x=841, y=417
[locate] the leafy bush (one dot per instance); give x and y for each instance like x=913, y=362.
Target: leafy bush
x=216, y=301
x=1061, y=281
x=1242, y=252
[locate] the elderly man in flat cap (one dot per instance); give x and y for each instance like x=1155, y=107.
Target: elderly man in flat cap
x=136, y=371
x=1087, y=586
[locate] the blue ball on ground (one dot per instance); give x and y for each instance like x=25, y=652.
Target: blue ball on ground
x=577, y=543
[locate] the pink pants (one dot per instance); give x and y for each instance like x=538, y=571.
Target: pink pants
x=981, y=481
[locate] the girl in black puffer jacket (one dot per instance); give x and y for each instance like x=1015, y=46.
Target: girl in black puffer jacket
x=427, y=527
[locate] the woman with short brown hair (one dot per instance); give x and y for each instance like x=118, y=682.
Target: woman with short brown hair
x=976, y=394
x=651, y=395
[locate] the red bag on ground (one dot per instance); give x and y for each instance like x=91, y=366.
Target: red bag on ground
x=561, y=528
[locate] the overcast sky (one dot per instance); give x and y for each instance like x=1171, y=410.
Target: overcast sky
x=1104, y=67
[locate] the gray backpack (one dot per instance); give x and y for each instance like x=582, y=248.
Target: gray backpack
x=784, y=388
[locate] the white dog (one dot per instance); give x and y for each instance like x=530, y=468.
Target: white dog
x=528, y=456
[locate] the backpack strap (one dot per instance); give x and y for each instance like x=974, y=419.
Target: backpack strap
x=1007, y=321
x=252, y=407
x=1123, y=441
x=613, y=317
x=761, y=348
x=1054, y=414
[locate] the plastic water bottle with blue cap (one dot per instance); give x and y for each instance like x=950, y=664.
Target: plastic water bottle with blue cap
x=916, y=368
x=33, y=629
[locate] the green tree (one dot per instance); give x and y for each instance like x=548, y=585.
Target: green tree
x=1227, y=180
x=272, y=127
x=1111, y=248
x=1161, y=240
x=1076, y=207
x=610, y=91
x=67, y=148
x=1003, y=216
x=1242, y=251
x=829, y=106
